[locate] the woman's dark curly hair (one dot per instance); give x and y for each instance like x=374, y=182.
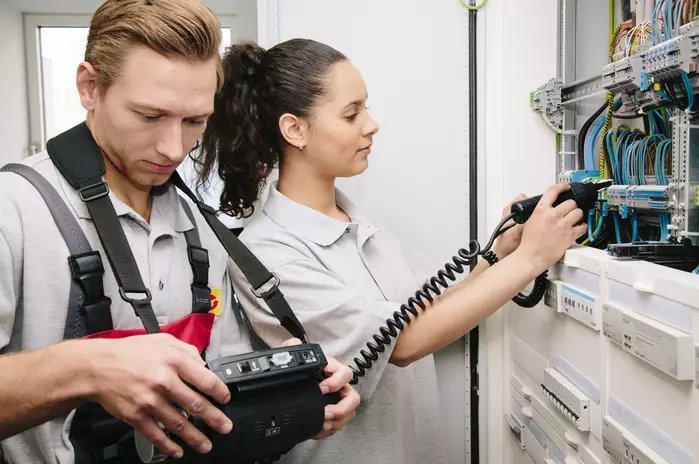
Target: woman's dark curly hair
x=242, y=139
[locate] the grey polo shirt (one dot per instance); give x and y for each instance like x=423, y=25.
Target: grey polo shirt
x=35, y=282
x=343, y=280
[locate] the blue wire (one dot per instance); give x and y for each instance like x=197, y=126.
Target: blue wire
x=590, y=218
x=590, y=141
x=661, y=222
x=664, y=96
x=654, y=24
x=661, y=153
x=593, y=236
x=617, y=229
x=634, y=227
x=690, y=91
x=610, y=152
x=641, y=162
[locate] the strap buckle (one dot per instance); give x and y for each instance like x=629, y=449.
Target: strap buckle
x=94, y=191
x=203, y=207
x=199, y=260
x=135, y=301
x=262, y=291
x=99, y=316
x=88, y=270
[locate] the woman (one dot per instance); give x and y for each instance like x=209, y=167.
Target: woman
x=302, y=106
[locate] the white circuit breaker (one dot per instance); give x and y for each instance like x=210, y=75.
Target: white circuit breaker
x=624, y=447
x=662, y=346
x=581, y=305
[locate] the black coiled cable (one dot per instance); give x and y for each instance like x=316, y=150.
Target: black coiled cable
x=433, y=288
x=538, y=290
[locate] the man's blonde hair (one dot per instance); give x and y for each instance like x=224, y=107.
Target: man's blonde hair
x=174, y=28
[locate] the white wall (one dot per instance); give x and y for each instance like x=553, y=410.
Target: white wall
x=14, y=125
x=519, y=151
x=412, y=56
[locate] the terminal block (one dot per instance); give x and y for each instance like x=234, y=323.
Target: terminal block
x=642, y=197
x=578, y=176
x=623, y=75
x=547, y=100
x=668, y=59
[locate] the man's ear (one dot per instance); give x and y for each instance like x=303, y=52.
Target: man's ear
x=294, y=130
x=86, y=82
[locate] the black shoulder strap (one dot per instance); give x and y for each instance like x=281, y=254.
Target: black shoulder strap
x=193, y=241
x=86, y=295
x=79, y=159
x=264, y=284
x=199, y=260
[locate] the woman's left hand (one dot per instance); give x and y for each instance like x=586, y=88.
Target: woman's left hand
x=509, y=241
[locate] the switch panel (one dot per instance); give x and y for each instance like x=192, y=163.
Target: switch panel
x=533, y=447
x=579, y=304
x=516, y=427
x=624, y=447
x=551, y=294
x=660, y=345
x=567, y=398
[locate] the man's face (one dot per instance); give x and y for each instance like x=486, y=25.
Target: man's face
x=149, y=119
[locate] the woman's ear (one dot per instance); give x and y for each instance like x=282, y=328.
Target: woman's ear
x=294, y=130
x=86, y=82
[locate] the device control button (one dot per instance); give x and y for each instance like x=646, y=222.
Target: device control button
x=262, y=364
x=281, y=359
x=309, y=357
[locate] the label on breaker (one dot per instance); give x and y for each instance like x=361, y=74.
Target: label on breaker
x=579, y=305
x=696, y=364
x=656, y=347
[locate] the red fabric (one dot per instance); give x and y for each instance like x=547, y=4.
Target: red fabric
x=194, y=329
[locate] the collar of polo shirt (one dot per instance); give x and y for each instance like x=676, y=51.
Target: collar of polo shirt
x=309, y=223
x=167, y=215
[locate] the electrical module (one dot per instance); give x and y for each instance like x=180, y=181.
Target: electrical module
x=660, y=345
x=567, y=398
x=624, y=447
x=577, y=303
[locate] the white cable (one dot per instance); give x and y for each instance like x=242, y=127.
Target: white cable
x=558, y=131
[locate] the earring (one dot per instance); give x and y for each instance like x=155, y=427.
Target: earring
x=301, y=147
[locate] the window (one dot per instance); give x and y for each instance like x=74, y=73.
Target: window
x=55, y=46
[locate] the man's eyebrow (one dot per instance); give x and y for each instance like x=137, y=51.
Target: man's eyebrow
x=150, y=109
x=155, y=110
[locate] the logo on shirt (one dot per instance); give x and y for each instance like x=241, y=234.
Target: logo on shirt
x=215, y=302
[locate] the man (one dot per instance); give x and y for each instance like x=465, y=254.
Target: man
x=148, y=82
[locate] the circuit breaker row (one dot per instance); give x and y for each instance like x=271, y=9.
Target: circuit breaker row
x=555, y=422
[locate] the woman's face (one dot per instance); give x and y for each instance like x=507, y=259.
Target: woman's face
x=340, y=128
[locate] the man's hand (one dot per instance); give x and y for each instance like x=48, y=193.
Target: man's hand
x=145, y=380
x=339, y=375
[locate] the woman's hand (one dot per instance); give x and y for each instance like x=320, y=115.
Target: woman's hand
x=550, y=231
x=510, y=240
x=337, y=381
